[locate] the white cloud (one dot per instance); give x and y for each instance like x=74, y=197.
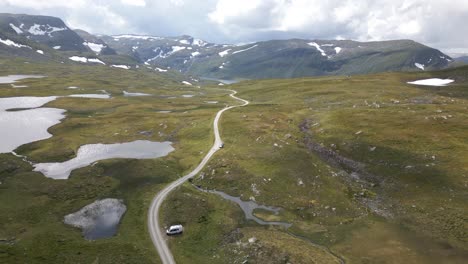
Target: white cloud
x=177, y=2
x=85, y=19
x=432, y=22
x=234, y=11
x=43, y=4
x=140, y=3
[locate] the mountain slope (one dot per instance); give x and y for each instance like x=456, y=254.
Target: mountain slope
x=463, y=59
x=279, y=58
x=50, y=31
x=25, y=35
x=96, y=44
x=44, y=38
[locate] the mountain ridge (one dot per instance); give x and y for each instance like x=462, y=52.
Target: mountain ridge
x=192, y=56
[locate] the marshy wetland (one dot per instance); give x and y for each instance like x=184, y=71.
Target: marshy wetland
x=365, y=169
x=33, y=206
x=369, y=167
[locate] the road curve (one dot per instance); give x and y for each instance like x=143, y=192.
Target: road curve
x=157, y=234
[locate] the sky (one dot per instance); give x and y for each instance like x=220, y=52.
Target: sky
x=437, y=23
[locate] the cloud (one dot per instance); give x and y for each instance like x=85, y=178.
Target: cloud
x=423, y=20
x=432, y=22
x=177, y=2
x=43, y=4
x=140, y=3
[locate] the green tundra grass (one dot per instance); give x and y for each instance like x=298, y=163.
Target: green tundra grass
x=367, y=169
x=33, y=206
x=370, y=168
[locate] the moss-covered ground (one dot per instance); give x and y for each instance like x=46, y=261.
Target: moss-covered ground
x=367, y=169
x=32, y=206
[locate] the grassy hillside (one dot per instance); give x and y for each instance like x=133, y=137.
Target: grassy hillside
x=368, y=169
x=297, y=58
x=33, y=206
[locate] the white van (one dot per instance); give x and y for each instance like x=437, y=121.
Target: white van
x=174, y=230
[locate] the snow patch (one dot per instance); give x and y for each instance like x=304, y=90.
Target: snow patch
x=196, y=53
x=239, y=51
x=177, y=48
x=445, y=58
x=57, y=47
x=317, y=46
x=13, y=44
x=186, y=83
x=224, y=53
x=338, y=50
x=199, y=42
x=184, y=41
x=16, y=29
x=97, y=48
x=86, y=60
x=222, y=65
x=41, y=30
x=433, y=82
x=419, y=65
x=160, y=70
x=40, y=52
x=96, y=61
x=121, y=67
x=78, y=59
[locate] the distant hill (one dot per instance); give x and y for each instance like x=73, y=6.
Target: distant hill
x=50, y=31
x=44, y=37
x=94, y=43
x=463, y=59
x=279, y=58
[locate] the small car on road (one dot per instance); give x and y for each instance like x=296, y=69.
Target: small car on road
x=175, y=230
x=221, y=145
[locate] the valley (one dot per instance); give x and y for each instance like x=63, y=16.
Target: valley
x=281, y=151
x=339, y=157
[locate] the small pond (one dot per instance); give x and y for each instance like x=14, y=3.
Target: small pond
x=220, y=80
x=14, y=78
x=22, y=121
x=99, y=219
x=94, y=96
x=249, y=207
x=128, y=94
x=88, y=154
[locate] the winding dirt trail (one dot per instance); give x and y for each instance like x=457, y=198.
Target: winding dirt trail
x=158, y=234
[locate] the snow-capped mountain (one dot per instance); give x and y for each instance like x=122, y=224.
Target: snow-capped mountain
x=41, y=36
x=159, y=51
x=279, y=58
x=50, y=31
x=95, y=44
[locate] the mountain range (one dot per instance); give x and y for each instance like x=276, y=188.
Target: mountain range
x=49, y=38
